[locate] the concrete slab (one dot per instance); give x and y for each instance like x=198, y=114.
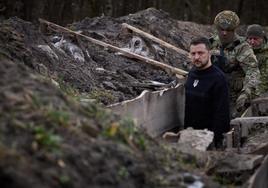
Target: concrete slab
x=156, y=112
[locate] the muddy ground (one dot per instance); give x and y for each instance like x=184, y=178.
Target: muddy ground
x=90, y=69
x=48, y=139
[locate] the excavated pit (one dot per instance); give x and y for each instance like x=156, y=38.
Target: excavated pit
x=91, y=73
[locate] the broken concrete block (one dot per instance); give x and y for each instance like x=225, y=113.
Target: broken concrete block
x=198, y=139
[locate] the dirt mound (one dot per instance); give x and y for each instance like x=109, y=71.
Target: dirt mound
x=92, y=70
x=49, y=140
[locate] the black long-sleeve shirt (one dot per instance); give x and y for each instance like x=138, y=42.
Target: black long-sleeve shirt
x=207, y=101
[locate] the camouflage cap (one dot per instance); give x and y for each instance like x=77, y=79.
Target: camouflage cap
x=256, y=30
x=227, y=20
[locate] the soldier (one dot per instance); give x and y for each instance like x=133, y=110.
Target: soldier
x=236, y=58
x=256, y=37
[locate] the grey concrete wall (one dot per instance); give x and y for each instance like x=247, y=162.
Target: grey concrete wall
x=157, y=111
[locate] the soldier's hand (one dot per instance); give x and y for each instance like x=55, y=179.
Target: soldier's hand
x=242, y=102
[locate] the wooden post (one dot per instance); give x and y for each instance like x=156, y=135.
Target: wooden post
x=166, y=67
x=157, y=40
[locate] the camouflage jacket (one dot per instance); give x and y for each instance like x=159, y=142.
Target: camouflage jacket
x=241, y=66
x=262, y=57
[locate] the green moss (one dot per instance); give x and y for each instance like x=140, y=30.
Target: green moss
x=95, y=111
x=125, y=131
x=102, y=95
x=58, y=117
x=46, y=138
x=67, y=88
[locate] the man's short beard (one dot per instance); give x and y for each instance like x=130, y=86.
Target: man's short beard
x=202, y=65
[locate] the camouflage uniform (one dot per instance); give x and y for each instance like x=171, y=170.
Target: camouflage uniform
x=261, y=51
x=240, y=64
x=241, y=67
x=262, y=57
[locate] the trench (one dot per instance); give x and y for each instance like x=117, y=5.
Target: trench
x=160, y=111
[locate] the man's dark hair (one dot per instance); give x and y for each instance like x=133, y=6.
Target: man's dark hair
x=201, y=40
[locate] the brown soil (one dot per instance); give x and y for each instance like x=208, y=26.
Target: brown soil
x=104, y=75
x=48, y=139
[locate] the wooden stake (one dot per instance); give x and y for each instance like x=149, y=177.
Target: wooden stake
x=166, y=67
x=153, y=38
x=245, y=112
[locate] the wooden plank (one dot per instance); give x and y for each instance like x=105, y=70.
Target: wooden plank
x=168, y=68
x=155, y=39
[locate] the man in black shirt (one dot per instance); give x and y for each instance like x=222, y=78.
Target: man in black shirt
x=207, y=102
